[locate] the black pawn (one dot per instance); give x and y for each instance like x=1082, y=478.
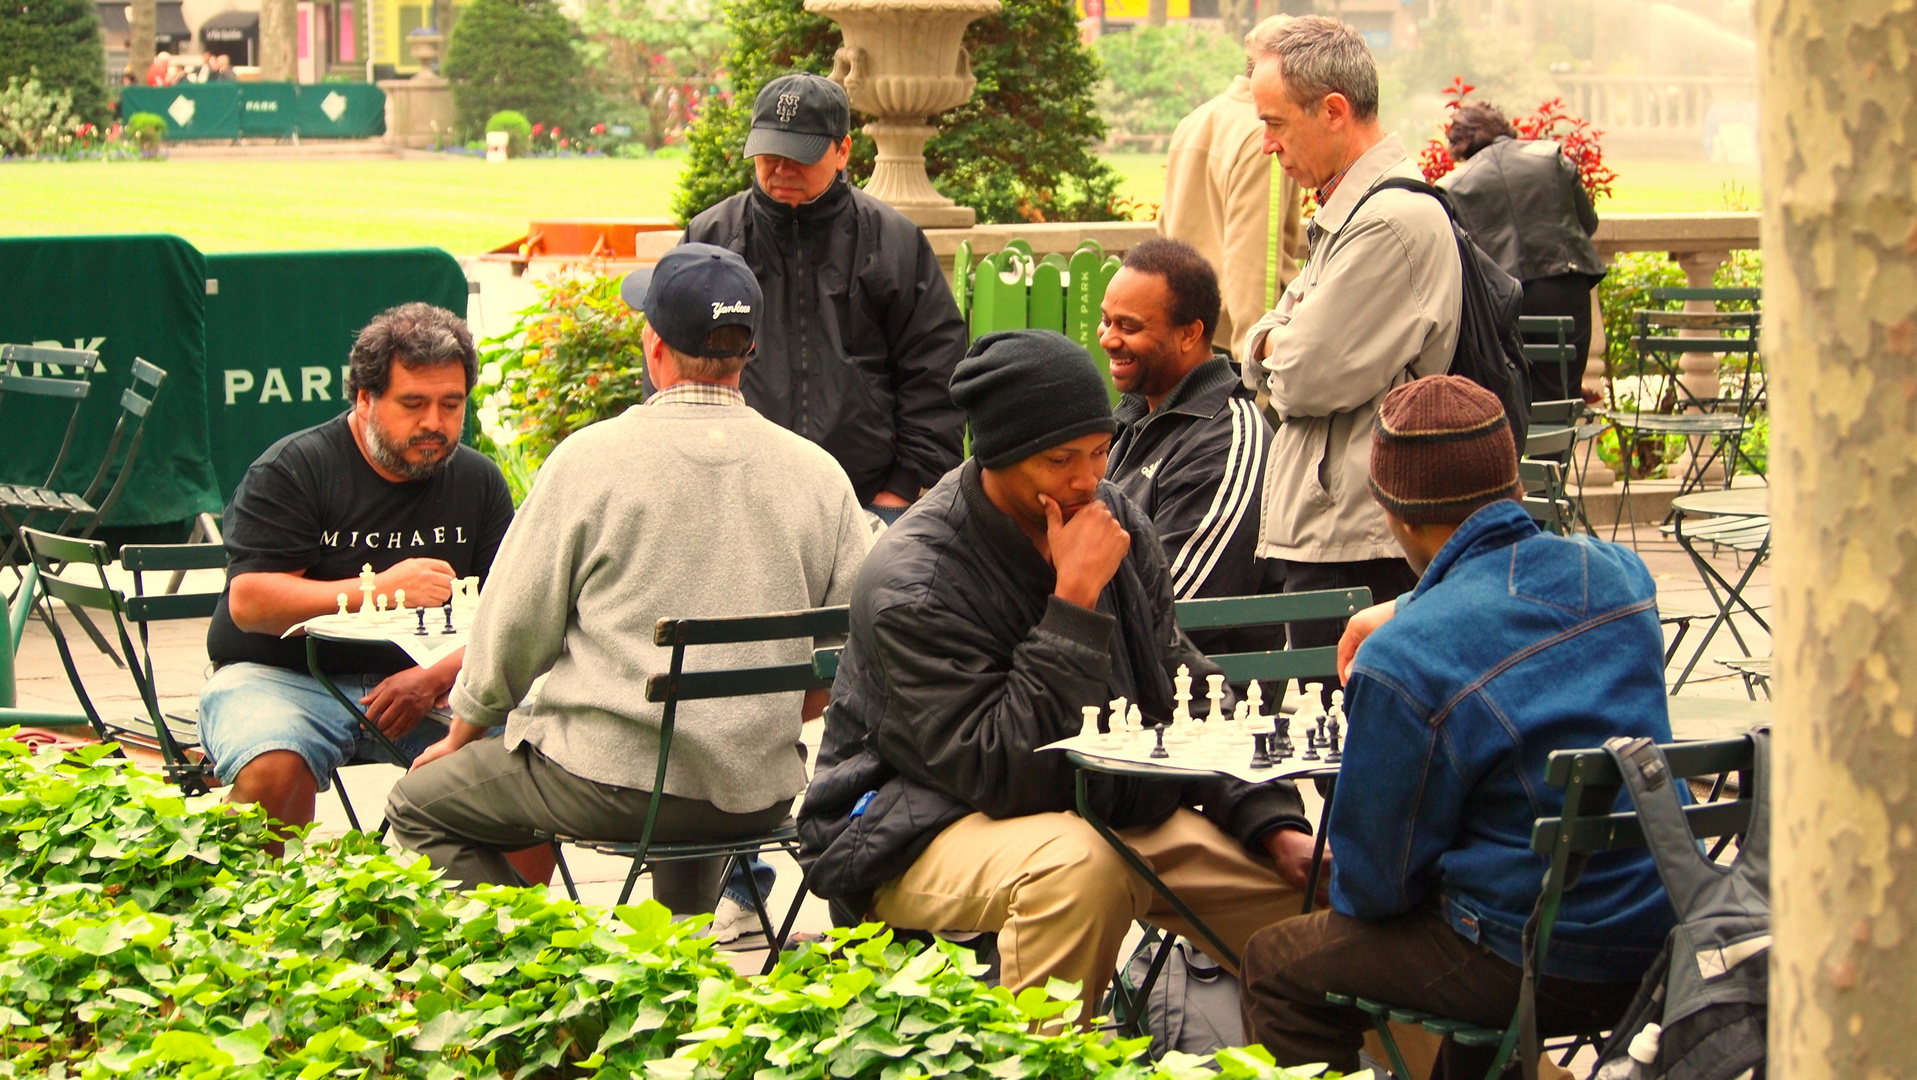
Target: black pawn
x=1260, y=750
x=1334, y=752
x=421, y=612
x=1311, y=745
x=1159, y=751
x=449, y=619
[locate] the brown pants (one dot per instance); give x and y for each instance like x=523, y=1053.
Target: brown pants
x=1414, y=960
x=1062, y=900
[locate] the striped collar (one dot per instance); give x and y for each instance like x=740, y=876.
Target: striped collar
x=697, y=393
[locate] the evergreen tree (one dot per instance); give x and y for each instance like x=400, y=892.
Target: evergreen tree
x=57, y=42
x=1019, y=150
x=514, y=54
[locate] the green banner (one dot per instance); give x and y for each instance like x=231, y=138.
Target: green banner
x=341, y=111
x=268, y=110
x=278, y=330
x=124, y=296
x=192, y=110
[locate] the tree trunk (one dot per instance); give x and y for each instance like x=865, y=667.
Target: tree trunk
x=279, y=41
x=1155, y=12
x=141, y=19
x=1231, y=18
x=1840, y=322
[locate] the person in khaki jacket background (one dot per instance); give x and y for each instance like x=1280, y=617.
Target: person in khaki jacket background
x=1219, y=183
x=1377, y=304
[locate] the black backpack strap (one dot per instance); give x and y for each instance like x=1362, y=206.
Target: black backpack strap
x=1405, y=183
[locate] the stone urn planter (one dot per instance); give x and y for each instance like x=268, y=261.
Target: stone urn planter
x=425, y=49
x=902, y=64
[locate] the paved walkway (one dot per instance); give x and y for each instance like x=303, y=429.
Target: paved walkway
x=181, y=666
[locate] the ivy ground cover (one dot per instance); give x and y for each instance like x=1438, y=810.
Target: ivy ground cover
x=143, y=934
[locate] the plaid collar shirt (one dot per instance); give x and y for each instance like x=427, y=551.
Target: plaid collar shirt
x=697, y=393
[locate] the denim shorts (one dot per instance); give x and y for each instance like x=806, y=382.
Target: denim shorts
x=248, y=709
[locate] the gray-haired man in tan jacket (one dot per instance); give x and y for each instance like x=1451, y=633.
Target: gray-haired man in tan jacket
x=1378, y=304
x=1219, y=191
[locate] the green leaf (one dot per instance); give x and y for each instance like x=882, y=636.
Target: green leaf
x=435, y=1034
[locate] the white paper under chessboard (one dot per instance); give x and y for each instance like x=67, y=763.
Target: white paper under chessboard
x=1214, y=749
x=400, y=628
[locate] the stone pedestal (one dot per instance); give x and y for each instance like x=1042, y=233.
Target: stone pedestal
x=902, y=64
x=1590, y=467
x=413, y=106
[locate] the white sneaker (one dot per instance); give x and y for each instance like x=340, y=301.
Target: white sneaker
x=737, y=927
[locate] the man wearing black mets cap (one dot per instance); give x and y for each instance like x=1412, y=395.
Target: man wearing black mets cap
x=861, y=333
x=690, y=505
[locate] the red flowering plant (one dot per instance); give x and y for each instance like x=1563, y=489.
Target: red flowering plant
x=1575, y=136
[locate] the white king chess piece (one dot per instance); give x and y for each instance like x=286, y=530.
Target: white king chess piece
x=1215, y=690
x=368, y=581
x=1181, y=711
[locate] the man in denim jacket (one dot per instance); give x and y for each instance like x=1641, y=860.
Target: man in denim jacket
x=1515, y=643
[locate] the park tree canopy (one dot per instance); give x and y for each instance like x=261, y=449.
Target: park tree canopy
x=57, y=42
x=519, y=55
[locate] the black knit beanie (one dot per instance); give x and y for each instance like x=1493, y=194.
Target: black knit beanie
x=1025, y=391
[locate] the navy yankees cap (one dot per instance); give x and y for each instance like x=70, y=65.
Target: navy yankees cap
x=799, y=117
x=693, y=290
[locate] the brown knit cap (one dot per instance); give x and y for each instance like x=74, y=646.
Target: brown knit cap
x=1441, y=450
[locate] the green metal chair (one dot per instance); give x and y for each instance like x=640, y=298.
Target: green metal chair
x=675, y=685
x=79, y=515
x=14, y=386
x=56, y=558
x=1589, y=824
x=1551, y=340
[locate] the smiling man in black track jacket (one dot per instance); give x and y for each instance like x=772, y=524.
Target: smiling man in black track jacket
x=1191, y=443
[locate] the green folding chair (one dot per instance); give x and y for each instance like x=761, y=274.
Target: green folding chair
x=62, y=562
x=675, y=685
x=1550, y=340
x=1590, y=823
x=79, y=514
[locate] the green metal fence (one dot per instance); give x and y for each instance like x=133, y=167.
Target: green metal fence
x=1013, y=289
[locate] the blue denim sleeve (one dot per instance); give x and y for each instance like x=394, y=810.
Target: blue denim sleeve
x=1398, y=802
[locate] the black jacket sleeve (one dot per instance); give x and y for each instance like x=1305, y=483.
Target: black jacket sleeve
x=953, y=723
x=925, y=337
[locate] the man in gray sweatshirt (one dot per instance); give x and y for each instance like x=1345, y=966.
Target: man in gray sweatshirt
x=692, y=505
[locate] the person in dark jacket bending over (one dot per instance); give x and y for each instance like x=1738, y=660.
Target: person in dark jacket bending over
x=1018, y=590
x=1457, y=693
x=1526, y=208
x=861, y=331
x=1191, y=443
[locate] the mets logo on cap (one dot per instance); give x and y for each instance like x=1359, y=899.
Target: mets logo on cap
x=788, y=106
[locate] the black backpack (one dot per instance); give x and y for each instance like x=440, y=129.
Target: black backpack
x=1490, y=352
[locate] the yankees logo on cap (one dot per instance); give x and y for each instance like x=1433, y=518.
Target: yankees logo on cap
x=693, y=290
x=799, y=117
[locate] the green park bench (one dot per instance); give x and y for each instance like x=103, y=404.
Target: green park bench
x=1014, y=289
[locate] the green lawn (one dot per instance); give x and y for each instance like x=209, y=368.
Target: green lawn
x=467, y=206
x=1642, y=187
x=461, y=204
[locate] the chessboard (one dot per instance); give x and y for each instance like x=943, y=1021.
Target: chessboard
x=1245, y=744
x=426, y=634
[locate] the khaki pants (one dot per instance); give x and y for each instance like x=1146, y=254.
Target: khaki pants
x=1061, y=900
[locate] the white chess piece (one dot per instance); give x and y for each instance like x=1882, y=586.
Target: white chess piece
x=1134, y=722
x=379, y=605
x=368, y=581
x=472, y=593
x=1181, y=711
x=1256, y=696
x=1215, y=690
x=1117, y=705
x=1089, y=729
x=1239, y=712
x=342, y=603
x=399, y=602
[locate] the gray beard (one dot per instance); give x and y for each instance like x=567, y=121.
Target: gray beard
x=387, y=457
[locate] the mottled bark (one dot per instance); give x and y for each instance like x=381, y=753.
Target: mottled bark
x=1155, y=12
x=140, y=22
x=279, y=41
x=1840, y=300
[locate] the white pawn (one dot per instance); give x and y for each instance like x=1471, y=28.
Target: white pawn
x=1088, y=731
x=1134, y=722
x=1239, y=712
x=342, y=603
x=399, y=602
x=379, y=604
x=1216, y=692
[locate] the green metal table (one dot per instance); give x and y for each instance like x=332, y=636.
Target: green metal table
x=1738, y=518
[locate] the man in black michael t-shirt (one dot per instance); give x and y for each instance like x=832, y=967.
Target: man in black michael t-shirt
x=387, y=484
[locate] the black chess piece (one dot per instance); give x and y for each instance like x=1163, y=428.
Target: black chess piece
x=1260, y=750
x=1159, y=751
x=1311, y=744
x=1281, y=747
x=1334, y=752
x=449, y=619
x=421, y=612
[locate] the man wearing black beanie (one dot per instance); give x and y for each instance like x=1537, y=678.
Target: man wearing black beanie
x=1017, y=591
